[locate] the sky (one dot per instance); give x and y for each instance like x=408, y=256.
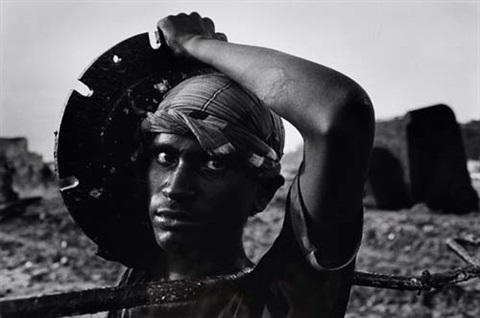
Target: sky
x=405, y=54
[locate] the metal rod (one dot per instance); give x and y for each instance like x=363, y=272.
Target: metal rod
x=462, y=252
x=179, y=293
x=111, y=298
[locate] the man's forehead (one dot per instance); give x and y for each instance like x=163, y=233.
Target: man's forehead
x=182, y=143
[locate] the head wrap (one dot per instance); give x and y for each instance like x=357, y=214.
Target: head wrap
x=224, y=118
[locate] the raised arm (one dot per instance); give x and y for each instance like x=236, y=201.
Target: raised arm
x=333, y=114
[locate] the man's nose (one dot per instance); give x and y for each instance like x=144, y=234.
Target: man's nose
x=179, y=184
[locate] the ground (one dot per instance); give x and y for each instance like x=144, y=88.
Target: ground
x=43, y=251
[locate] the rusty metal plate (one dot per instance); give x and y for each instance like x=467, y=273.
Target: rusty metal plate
x=96, y=143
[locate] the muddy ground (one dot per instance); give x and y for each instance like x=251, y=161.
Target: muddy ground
x=43, y=251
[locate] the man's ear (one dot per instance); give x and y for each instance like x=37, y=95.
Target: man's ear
x=266, y=191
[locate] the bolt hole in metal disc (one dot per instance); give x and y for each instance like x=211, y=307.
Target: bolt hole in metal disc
x=97, y=146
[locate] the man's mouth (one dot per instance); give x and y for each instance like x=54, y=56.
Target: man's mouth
x=171, y=219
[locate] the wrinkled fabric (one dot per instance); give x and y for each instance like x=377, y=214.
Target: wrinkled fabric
x=224, y=118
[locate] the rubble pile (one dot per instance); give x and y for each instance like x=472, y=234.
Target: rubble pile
x=23, y=174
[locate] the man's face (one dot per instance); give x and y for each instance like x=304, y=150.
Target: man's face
x=195, y=200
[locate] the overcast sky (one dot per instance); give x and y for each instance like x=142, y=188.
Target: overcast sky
x=406, y=54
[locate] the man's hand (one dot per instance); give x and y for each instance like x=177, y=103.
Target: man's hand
x=178, y=30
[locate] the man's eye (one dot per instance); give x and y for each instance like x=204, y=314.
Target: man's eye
x=165, y=158
x=215, y=165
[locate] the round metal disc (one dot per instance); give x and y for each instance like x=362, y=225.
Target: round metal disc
x=97, y=142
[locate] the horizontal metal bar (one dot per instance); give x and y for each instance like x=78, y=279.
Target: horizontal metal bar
x=177, y=293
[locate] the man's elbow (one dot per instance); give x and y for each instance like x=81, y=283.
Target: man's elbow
x=352, y=113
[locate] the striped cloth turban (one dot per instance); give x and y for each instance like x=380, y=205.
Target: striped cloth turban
x=224, y=118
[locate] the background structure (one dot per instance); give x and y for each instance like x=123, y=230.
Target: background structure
x=406, y=54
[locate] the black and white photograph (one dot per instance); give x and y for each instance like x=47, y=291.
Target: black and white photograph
x=240, y=158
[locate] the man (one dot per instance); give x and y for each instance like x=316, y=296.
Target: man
x=212, y=153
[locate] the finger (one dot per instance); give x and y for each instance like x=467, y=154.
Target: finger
x=163, y=40
x=209, y=25
x=221, y=37
x=161, y=27
x=195, y=15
